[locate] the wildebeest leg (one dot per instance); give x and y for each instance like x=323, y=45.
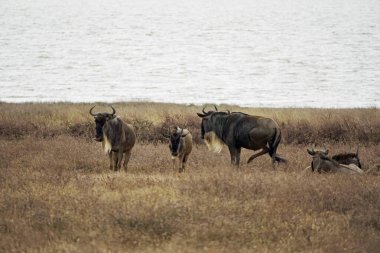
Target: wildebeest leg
x=180, y=158
x=119, y=160
x=235, y=155
x=126, y=160
x=262, y=152
x=184, y=160
x=115, y=160
x=173, y=162
x=111, y=160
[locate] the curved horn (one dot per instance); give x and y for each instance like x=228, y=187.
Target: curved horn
x=113, y=110
x=203, y=110
x=216, y=109
x=165, y=133
x=228, y=112
x=92, y=114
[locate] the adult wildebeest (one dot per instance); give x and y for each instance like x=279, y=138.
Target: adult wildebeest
x=348, y=158
x=322, y=163
x=117, y=137
x=181, y=144
x=239, y=130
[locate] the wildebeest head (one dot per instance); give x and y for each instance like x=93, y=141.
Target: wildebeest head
x=320, y=153
x=100, y=120
x=209, y=120
x=210, y=126
x=175, y=140
x=319, y=160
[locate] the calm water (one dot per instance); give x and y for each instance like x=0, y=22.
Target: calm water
x=276, y=53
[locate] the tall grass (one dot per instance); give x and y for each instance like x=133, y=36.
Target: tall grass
x=57, y=194
x=301, y=126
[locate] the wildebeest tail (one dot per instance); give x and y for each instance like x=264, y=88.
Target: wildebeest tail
x=275, y=142
x=274, y=146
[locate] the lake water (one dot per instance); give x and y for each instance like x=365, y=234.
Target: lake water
x=266, y=53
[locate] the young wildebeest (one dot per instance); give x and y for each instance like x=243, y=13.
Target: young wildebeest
x=322, y=163
x=348, y=158
x=239, y=130
x=181, y=144
x=116, y=136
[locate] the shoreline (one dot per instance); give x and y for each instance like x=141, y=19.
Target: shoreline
x=184, y=104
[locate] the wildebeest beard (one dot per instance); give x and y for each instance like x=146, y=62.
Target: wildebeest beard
x=213, y=142
x=175, y=140
x=210, y=129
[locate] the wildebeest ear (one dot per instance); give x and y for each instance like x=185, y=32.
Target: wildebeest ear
x=201, y=115
x=311, y=152
x=326, y=152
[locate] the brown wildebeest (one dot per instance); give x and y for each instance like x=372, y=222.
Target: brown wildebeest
x=348, y=158
x=181, y=144
x=117, y=137
x=322, y=163
x=239, y=130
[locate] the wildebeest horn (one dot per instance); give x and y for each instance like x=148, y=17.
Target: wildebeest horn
x=228, y=111
x=311, y=151
x=216, y=109
x=92, y=114
x=113, y=110
x=326, y=151
x=166, y=134
x=357, y=151
x=203, y=110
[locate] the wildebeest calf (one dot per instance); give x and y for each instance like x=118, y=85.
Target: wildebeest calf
x=322, y=163
x=117, y=138
x=181, y=144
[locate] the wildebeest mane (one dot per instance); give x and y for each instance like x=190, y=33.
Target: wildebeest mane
x=344, y=156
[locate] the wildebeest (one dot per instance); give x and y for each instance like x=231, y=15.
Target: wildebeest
x=323, y=163
x=181, y=144
x=117, y=137
x=239, y=130
x=348, y=158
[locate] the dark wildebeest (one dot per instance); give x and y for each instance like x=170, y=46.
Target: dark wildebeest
x=117, y=137
x=322, y=163
x=239, y=130
x=348, y=158
x=181, y=144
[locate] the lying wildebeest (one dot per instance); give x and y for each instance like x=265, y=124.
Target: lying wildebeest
x=181, y=144
x=322, y=163
x=116, y=136
x=348, y=158
x=239, y=130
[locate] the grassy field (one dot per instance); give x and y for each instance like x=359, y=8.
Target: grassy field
x=57, y=194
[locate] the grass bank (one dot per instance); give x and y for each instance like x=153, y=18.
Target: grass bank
x=57, y=194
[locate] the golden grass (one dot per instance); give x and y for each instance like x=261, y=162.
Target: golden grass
x=57, y=194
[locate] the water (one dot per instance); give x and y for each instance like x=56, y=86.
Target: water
x=267, y=53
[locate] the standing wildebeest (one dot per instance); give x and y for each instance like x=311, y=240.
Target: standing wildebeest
x=181, y=144
x=322, y=163
x=116, y=136
x=348, y=158
x=239, y=130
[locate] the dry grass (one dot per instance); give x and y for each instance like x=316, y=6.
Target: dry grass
x=57, y=194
